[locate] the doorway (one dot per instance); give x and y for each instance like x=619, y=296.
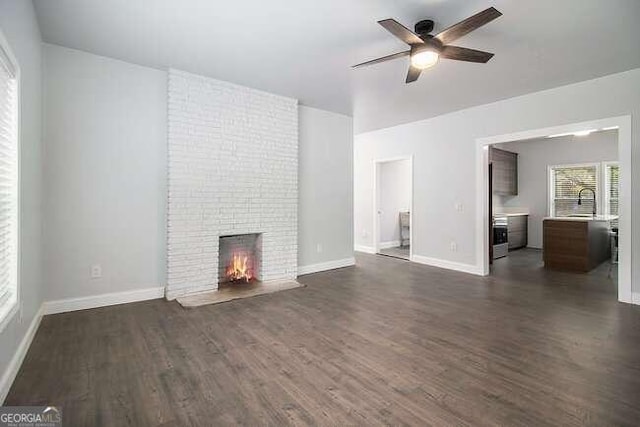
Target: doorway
x=596, y=173
x=393, y=207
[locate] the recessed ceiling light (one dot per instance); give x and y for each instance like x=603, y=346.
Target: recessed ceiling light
x=578, y=133
x=560, y=134
x=584, y=132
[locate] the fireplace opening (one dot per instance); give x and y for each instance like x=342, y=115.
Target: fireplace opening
x=239, y=259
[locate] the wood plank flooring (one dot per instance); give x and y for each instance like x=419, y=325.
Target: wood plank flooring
x=402, y=252
x=386, y=342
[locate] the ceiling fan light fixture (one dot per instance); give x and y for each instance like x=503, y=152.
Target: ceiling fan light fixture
x=426, y=49
x=425, y=59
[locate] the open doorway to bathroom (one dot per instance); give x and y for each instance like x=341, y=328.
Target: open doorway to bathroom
x=394, y=195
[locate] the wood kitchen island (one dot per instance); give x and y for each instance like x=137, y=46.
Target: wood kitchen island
x=576, y=243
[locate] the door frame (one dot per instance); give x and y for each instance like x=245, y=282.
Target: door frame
x=377, y=163
x=623, y=123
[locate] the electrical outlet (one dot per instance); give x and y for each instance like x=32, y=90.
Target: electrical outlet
x=459, y=207
x=96, y=271
x=454, y=246
x=319, y=248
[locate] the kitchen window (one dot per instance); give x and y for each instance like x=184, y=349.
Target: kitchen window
x=612, y=183
x=566, y=184
x=599, y=182
x=8, y=185
x=612, y=186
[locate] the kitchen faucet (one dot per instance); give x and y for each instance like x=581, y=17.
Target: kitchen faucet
x=594, y=199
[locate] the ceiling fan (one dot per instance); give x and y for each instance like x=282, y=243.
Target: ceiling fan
x=427, y=49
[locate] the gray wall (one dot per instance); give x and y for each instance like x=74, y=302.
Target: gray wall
x=18, y=23
x=445, y=160
x=105, y=138
x=535, y=156
x=325, y=186
x=105, y=177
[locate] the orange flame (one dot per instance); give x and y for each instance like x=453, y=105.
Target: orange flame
x=239, y=268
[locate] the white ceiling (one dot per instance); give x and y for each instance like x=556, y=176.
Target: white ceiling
x=304, y=48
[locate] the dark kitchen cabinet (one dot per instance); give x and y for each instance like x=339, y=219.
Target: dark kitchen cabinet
x=575, y=245
x=517, y=231
x=505, y=172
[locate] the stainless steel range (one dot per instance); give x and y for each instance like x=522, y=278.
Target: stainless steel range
x=500, y=240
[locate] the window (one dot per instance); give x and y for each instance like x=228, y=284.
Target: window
x=8, y=185
x=612, y=182
x=566, y=184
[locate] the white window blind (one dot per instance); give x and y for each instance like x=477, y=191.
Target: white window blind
x=566, y=185
x=8, y=184
x=613, y=182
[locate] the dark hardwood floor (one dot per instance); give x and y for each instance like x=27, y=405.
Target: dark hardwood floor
x=385, y=343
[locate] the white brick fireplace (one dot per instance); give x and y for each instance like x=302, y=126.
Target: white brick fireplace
x=233, y=170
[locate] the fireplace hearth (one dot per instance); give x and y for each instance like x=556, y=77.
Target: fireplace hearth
x=240, y=274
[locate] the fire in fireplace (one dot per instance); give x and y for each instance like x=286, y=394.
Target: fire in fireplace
x=239, y=258
x=239, y=268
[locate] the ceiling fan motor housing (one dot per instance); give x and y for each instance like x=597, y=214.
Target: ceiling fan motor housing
x=430, y=43
x=424, y=27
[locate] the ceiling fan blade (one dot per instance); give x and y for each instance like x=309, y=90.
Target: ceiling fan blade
x=400, y=31
x=474, y=22
x=413, y=74
x=464, y=54
x=383, y=59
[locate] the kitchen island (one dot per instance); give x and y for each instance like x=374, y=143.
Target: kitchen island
x=576, y=243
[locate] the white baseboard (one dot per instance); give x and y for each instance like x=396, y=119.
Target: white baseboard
x=449, y=265
x=16, y=361
x=103, y=300
x=324, y=266
x=635, y=298
x=391, y=244
x=365, y=249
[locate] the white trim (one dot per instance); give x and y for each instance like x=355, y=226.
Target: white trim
x=102, y=300
x=449, y=265
x=324, y=266
x=391, y=244
x=9, y=375
x=365, y=249
x=635, y=298
x=625, y=194
x=376, y=197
